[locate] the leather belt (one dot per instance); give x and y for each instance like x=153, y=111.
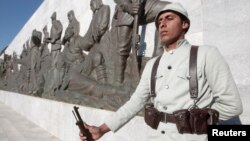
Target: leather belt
x=165, y=117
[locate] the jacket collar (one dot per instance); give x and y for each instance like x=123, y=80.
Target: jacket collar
x=180, y=44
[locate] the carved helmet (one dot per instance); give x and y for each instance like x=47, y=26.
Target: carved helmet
x=36, y=37
x=53, y=16
x=175, y=7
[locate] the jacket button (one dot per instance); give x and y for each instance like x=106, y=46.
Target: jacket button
x=169, y=67
x=166, y=86
x=171, y=52
x=163, y=132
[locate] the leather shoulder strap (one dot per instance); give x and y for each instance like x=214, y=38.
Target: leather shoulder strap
x=193, y=82
x=153, y=74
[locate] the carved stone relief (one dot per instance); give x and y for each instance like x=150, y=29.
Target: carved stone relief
x=105, y=77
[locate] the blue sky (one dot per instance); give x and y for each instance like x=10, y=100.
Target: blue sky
x=13, y=15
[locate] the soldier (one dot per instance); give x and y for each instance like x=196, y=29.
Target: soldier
x=45, y=53
x=98, y=25
x=24, y=70
x=71, y=52
x=73, y=23
x=123, y=19
x=89, y=42
x=216, y=87
x=15, y=64
x=35, y=60
x=55, y=38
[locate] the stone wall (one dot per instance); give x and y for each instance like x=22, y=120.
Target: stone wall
x=226, y=26
x=57, y=118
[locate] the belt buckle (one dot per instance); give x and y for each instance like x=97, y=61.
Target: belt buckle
x=165, y=117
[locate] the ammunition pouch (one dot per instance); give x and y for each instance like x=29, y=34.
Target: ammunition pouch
x=182, y=121
x=152, y=116
x=213, y=116
x=193, y=121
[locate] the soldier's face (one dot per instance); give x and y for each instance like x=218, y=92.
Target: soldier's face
x=93, y=5
x=171, y=28
x=70, y=17
x=53, y=19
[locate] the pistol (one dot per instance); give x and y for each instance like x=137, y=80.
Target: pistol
x=80, y=124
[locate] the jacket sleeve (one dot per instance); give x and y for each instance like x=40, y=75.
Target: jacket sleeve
x=134, y=105
x=226, y=98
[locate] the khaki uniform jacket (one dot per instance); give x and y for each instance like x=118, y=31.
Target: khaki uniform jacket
x=217, y=89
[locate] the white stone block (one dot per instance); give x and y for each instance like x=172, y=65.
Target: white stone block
x=57, y=118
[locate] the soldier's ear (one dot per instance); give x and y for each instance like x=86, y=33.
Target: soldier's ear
x=185, y=25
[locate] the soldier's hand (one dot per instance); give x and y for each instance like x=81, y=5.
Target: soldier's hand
x=49, y=41
x=96, y=36
x=96, y=132
x=132, y=8
x=135, y=7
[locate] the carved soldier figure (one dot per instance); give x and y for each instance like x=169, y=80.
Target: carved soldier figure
x=26, y=61
x=7, y=67
x=45, y=54
x=73, y=23
x=14, y=73
x=74, y=26
x=2, y=68
x=24, y=70
x=98, y=27
x=71, y=51
x=55, y=38
x=123, y=20
x=14, y=62
x=90, y=42
x=35, y=60
x=2, y=73
x=99, y=24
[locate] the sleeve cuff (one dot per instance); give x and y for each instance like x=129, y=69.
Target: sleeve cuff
x=112, y=122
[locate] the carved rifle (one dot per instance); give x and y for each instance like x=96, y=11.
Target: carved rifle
x=136, y=40
x=136, y=36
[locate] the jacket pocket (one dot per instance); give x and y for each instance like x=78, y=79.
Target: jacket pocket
x=184, y=74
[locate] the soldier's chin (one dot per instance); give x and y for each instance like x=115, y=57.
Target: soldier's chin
x=168, y=42
x=165, y=43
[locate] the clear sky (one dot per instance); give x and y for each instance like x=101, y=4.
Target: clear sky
x=13, y=16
